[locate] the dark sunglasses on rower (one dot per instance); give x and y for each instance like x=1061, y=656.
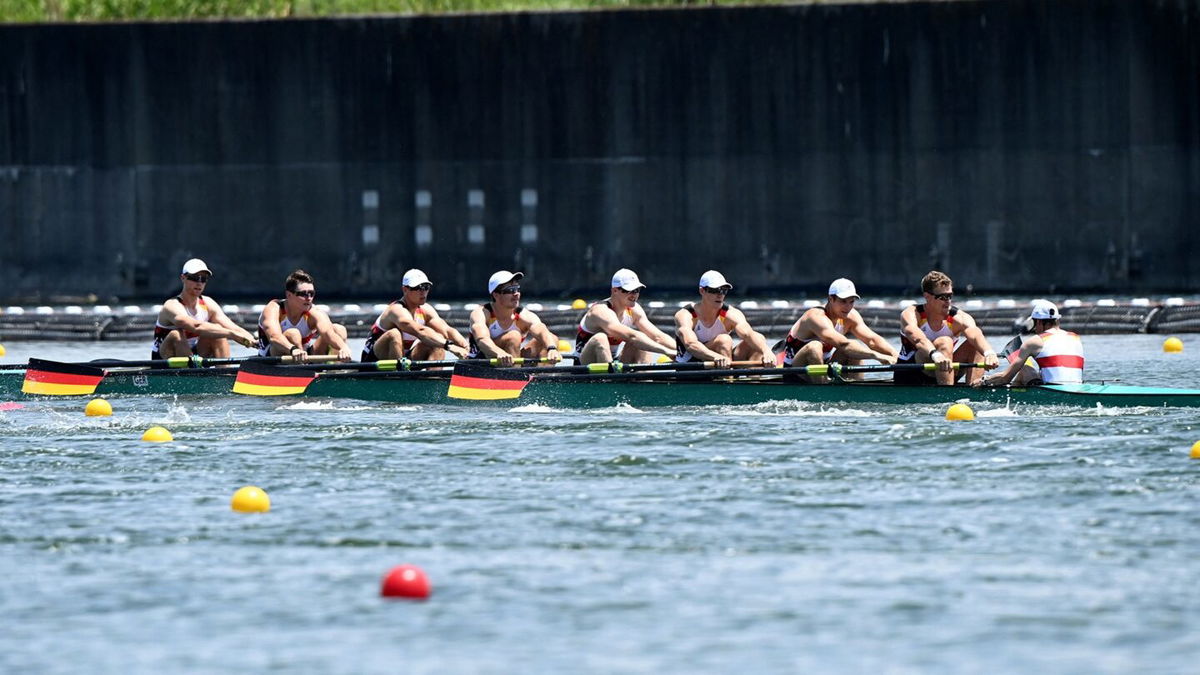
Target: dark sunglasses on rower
x=944, y=297
x=716, y=291
x=509, y=290
x=421, y=287
x=198, y=278
x=636, y=290
x=305, y=294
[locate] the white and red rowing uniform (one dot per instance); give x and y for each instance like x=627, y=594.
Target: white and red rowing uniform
x=377, y=331
x=161, y=331
x=307, y=328
x=614, y=342
x=704, y=332
x=793, y=344
x=1061, y=358
x=495, y=329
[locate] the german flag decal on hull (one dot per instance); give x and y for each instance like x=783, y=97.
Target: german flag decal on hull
x=260, y=379
x=51, y=378
x=485, y=383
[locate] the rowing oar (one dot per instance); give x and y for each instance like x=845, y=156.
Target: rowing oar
x=259, y=379
x=54, y=378
x=175, y=362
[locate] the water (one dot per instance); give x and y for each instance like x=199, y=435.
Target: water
x=767, y=539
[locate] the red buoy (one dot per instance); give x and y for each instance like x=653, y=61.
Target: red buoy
x=405, y=581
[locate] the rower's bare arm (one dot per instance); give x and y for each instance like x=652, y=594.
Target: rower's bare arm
x=447, y=337
x=657, y=334
x=483, y=338
x=975, y=336
x=270, y=323
x=884, y=351
x=325, y=327
x=1030, y=348
x=743, y=329
x=910, y=330
x=539, y=330
x=686, y=332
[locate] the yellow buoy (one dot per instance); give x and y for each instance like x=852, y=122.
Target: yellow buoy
x=663, y=358
x=1172, y=345
x=98, y=407
x=2, y=350
x=157, y=435
x=960, y=411
x=579, y=303
x=1196, y=450
x=250, y=499
x=564, y=346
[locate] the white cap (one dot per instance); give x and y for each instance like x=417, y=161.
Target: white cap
x=713, y=279
x=843, y=288
x=1044, y=309
x=195, y=265
x=415, y=277
x=627, y=279
x=503, y=277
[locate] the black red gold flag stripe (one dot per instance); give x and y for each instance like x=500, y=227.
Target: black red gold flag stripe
x=485, y=383
x=51, y=378
x=260, y=379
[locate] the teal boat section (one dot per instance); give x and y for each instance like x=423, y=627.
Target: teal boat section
x=430, y=387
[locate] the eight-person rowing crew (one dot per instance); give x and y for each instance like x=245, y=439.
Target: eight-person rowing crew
x=618, y=328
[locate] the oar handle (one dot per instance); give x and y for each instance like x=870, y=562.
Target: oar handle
x=826, y=369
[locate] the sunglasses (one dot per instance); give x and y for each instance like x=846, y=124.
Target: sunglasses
x=636, y=290
x=509, y=290
x=199, y=278
x=304, y=294
x=717, y=291
x=944, y=297
x=421, y=287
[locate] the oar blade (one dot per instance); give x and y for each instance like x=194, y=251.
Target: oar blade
x=483, y=383
x=51, y=378
x=262, y=379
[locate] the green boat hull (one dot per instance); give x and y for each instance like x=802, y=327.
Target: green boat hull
x=431, y=388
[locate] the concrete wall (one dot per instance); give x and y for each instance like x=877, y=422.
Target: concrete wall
x=1018, y=145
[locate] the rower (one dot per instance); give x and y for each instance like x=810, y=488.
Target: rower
x=503, y=330
x=705, y=330
x=835, y=333
x=192, y=324
x=937, y=332
x=619, y=327
x=1050, y=356
x=292, y=326
x=411, y=328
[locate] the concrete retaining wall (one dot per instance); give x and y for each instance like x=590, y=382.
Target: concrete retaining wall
x=1019, y=145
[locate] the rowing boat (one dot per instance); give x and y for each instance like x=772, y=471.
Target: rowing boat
x=588, y=391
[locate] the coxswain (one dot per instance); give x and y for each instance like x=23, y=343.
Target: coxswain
x=1050, y=356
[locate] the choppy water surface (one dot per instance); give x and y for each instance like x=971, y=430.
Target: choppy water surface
x=774, y=538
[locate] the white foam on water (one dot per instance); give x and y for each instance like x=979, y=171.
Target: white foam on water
x=998, y=412
x=537, y=408
x=794, y=409
x=332, y=405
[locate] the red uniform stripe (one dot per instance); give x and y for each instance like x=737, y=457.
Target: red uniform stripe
x=1061, y=361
